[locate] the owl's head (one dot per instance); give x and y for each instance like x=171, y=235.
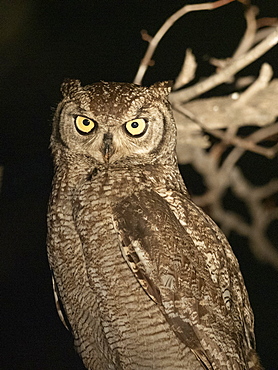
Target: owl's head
x=115, y=123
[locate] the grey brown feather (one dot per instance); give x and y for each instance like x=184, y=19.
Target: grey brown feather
x=146, y=279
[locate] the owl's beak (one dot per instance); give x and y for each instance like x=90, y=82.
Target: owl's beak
x=107, y=148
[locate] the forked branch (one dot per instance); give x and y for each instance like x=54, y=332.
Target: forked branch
x=153, y=42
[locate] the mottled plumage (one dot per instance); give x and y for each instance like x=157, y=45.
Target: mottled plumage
x=145, y=279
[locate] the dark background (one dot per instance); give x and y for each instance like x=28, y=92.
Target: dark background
x=41, y=43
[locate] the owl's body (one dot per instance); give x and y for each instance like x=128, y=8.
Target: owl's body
x=145, y=278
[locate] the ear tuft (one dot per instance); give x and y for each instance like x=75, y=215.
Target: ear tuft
x=162, y=88
x=70, y=86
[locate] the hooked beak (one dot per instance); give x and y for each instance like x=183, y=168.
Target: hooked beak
x=107, y=148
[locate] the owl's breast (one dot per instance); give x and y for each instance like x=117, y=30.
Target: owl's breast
x=109, y=185
x=93, y=217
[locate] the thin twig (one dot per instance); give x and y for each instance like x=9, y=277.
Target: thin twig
x=248, y=38
x=243, y=143
x=246, y=42
x=259, y=135
x=263, y=33
x=267, y=21
x=166, y=26
x=225, y=74
x=264, y=133
x=265, y=75
x=188, y=70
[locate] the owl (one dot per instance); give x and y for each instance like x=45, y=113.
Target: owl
x=143, y=278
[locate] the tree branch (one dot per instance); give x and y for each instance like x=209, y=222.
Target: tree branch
x=153, y=42
x=225, y=74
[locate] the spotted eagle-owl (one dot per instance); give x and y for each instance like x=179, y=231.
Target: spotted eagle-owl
x=145, y=279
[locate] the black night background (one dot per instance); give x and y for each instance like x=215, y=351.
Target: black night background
x=41, y=43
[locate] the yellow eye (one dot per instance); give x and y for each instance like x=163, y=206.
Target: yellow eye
x=84, y=125
x=136, y=127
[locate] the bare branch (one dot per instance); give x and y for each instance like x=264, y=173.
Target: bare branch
x=146, y=36
x=256, y=137
x=165, y=27
x=251, y=26
x=188, y=70
x=245, y=143
x=246, y=42
x=264, y=133
x=218, y=182
x=261, y=83
x=225, y=74
x=267, y=21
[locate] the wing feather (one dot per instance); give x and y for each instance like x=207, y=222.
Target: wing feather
x=169, y=264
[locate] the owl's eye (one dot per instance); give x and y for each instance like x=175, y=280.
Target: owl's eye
x=136, y=127
x=84, y=125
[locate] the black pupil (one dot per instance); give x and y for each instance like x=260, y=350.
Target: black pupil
x=86, y=122
x=134, y=124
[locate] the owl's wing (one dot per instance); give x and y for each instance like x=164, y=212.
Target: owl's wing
x=176, y=273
